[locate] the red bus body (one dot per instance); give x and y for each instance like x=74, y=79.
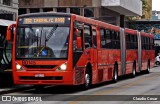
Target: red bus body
x=99, y=60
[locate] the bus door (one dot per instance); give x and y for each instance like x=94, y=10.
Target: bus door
x=87, y=42
x=77, y=53
x=94, y=53
x=79, y=61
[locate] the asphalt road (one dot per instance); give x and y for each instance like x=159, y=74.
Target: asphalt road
x=143, y=89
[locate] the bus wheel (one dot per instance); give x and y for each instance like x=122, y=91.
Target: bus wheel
x=39, y=87
x=87, y=81
x=115, y=74
x=134, y=71
x=157, y=62
x=148, y=68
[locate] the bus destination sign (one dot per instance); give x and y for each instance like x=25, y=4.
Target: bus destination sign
x=43, y=20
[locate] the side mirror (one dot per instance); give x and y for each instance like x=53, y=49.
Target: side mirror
x=79, y=42
x=78, y=38
x=10, y=32
x=76, y=31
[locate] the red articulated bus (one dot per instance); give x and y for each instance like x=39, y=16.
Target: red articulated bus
x=67, y=49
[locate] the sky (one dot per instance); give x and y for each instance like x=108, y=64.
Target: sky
x=156, y=5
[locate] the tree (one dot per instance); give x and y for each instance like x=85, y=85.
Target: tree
x=146, y=14
x=146, y=11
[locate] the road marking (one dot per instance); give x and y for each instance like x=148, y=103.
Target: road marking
x=115, y=89
x=8, y=70
x=127, y=86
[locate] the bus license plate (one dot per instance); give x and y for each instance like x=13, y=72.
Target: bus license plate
x=39, y=75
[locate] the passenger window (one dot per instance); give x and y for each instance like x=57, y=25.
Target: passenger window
x=94, y=38
x=108, y=39
x=115, y=40
x=79, y=26
x=87, y=36
x=103, y=43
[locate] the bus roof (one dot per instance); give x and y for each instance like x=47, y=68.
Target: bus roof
x=130, y=31
x=45, y=14
x=97, y=22
x=147, y=34
x=86, y=20
x=83, y=19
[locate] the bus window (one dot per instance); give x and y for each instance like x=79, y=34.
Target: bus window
x=112, y=39
x=87, y=36
x=129, y=41
x=108, y=39
x=94, y=39
x=147, y=43
x=117, y=40
x=152, y=43
x=136, y=42
x=149, y=48
x=77, y=52
x=103, y=43
x=143, y=42
x=79, y=26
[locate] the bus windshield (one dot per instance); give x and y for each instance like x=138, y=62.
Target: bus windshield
x=42, y=42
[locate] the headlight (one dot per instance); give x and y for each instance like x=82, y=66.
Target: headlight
x=62, y=67
x=19, y=67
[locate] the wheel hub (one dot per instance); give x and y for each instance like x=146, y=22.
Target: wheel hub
x=87, y=79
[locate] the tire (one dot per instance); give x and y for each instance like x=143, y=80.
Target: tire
x=87, y=80
x=115, y=74
x=157, y=62
x=148, y=68
x=134, y=71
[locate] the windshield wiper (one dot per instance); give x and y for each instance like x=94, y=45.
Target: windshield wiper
x=32, y=31
x=51, y=32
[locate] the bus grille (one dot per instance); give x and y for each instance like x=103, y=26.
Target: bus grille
x=40, y=78
x=41, y=66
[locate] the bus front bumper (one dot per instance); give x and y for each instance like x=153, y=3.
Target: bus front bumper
x=44, y=78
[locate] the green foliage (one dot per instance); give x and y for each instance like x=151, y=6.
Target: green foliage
x=146, y=10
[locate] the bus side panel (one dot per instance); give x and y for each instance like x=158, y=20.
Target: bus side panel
x=152, y=58
x=148, y=55
x=94, y=59
x=131, y=56
x=108, y=69
x=80, y=67
x=101, y=65
x=151, y=54
x=89, y=56
x=114, y=56
x=144, y=60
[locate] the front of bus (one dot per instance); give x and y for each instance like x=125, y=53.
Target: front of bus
x=41, y=50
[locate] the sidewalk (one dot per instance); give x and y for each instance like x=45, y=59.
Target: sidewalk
x=7, y=85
